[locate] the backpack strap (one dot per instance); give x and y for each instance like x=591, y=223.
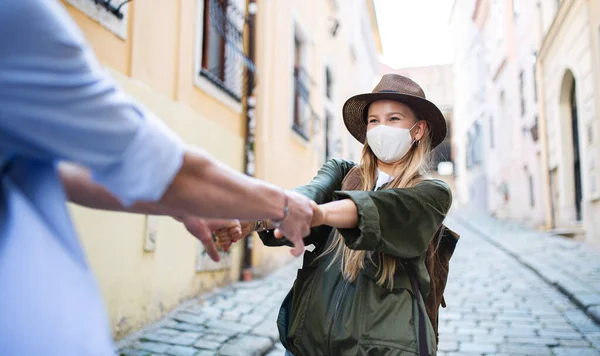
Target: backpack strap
x=417, y=297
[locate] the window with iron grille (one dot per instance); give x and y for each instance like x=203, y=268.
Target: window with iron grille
x=474, y=146
x=224, y=61
x=328, y=84
x=516, y=4
x=531, y=192
x=491, y=132
x=303, y=113
x=522, y=91
x=534, y=130
x=535, y=88
x=328, y=138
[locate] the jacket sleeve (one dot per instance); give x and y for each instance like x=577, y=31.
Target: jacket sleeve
x=321, y=189
x=400, y=222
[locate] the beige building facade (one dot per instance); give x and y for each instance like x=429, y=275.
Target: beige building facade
x=312, y=56
x=532, y=135
x=187, y=60
x=569, y=66
x=513, y=163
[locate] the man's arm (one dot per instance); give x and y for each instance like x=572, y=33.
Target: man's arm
x=57, y=103
x=81, y=190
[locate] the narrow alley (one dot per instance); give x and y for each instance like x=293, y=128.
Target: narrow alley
x=512, y=291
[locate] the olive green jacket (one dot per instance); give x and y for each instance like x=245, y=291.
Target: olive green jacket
x=324, y=314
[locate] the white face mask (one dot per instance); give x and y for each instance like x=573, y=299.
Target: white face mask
x=389, y=143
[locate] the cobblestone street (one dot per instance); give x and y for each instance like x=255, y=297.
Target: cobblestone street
x=512, y=291
x=236, y=320
x=498, y=306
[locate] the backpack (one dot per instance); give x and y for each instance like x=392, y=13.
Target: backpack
x=437, y=261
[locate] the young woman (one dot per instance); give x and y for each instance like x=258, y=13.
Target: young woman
x=373, y=223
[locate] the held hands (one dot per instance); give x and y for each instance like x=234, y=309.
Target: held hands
x=296, y=226
x=202, y=230
x=232, y=232
x=303, y=214
x=235, y=230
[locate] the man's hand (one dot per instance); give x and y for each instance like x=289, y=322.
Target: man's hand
x=202, y=229
x=297, y=225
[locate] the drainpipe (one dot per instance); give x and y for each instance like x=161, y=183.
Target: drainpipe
x=249, y=164
x=543, y=134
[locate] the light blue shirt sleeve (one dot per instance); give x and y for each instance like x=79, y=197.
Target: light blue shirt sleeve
x=57, y=103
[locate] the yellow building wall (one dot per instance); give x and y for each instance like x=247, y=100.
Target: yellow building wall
x=282, y=156
x=156, y=66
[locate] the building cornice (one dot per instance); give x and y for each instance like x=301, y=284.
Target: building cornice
x=564, y=10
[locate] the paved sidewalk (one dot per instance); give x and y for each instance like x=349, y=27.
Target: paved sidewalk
x=572, y=266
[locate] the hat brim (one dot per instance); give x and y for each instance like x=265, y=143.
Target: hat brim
x=355, y=114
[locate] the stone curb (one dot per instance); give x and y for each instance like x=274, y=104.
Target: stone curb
x=591, y=310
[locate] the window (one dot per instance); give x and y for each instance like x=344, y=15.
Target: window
x=328, y=134
x=301, y=93
x=330, y=149
x=224, y=62
x=535, y=130
x=491, y=132
x=531, y=192
x=535, y=89
x=474, y=146
x=304, y=121
x=328, y=84
x=516, y=8
x=304, y=116
x=100, y=14
x=522, y=91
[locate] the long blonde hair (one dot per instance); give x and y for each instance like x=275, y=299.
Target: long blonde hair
x=414, y=165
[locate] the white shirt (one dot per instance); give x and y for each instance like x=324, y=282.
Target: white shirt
x=382, y=179
x=56, y=103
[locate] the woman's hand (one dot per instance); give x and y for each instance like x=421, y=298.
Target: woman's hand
x=233, y=232
x=341, y=214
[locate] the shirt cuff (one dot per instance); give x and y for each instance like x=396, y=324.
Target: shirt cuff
x=148, y=165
